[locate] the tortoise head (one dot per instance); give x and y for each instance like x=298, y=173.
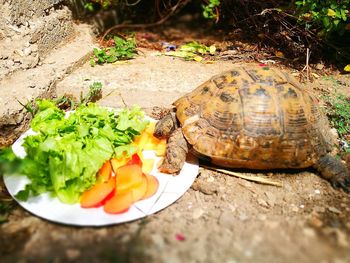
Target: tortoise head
x=165, y=126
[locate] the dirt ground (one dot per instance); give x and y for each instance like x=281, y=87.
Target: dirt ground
x=220, y=218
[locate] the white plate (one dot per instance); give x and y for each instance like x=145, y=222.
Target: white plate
x=170, y=189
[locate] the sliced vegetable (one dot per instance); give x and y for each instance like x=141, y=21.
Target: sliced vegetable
x=105, y=172
x=98, y=194
x=119, y=203
x=139, y=191
x=152, y=186
x=119, y=162
x=128, y=176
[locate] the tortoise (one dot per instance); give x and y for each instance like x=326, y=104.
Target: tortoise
x=252, y=117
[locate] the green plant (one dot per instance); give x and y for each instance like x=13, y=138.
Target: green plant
x=94, y=94
x=122, y=49
x=326, y=16
x=210, y=10
x=192, y=51
x=338, y=111
x=90, y=4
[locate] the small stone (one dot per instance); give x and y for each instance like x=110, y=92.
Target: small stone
x=319, y=209
x=315, y=222
x=72, y=253
x=271, y=199
x=243, y=216
x=319, y=66
x=226, y=219
x=294, y=208
x=317, y=191
x=334, y=210
x=205, y=187
x=262, y=202
x=158, y=240
x=210, y=179
x=197, y=213
x=27, y=51
x=262, y=217
x=309, y=232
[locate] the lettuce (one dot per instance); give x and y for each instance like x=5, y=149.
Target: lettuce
x=67, y=152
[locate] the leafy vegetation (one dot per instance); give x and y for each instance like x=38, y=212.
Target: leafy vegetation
x=325, y=16
x=192, y=51
x=338, y=111
x=210, y=11
x=122, y=49
x=65, y=154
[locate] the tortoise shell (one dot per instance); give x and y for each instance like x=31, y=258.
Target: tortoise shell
x=254, y=117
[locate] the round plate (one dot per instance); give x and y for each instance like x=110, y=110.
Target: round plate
x=170, y=189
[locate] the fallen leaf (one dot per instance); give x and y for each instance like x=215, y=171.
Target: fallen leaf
x=347, y=68
x=279, y=54
x=197, y=58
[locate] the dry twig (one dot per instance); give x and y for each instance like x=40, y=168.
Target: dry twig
x=256, y=179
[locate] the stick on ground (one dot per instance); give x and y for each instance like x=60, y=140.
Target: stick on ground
x=253, y=178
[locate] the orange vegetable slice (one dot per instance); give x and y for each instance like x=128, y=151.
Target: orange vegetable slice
x=98, y=194
x=139, y=191
x=116, y=163
x=105, y=172
x=152, y=186
x=128, y=176
x=119, y=203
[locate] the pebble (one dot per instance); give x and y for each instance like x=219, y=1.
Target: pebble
x=72, y=253
x=197, y=213
x=262, y=217
x=309, y=232
x=226, y=219
x=262, y=202
x=317, y=192
x=205, y=187
x=315, y=222
x=334, y=210
x=243, y=216
x=158, y=240
x=271, y=199
x=319, y=209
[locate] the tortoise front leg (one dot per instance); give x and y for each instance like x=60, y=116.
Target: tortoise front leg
x=176, y=152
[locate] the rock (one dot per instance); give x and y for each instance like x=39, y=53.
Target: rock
x=262, y=217
x=271, y=198
x=334, y=210
x=319, y=209
x=316, y=222
x=197, y=213
x=158, y=240
x=340, y=236
x=262, y=202
x=243, y=216
x=226, y=219
x=309, y=232
x=204, y=187
x=73, y=254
